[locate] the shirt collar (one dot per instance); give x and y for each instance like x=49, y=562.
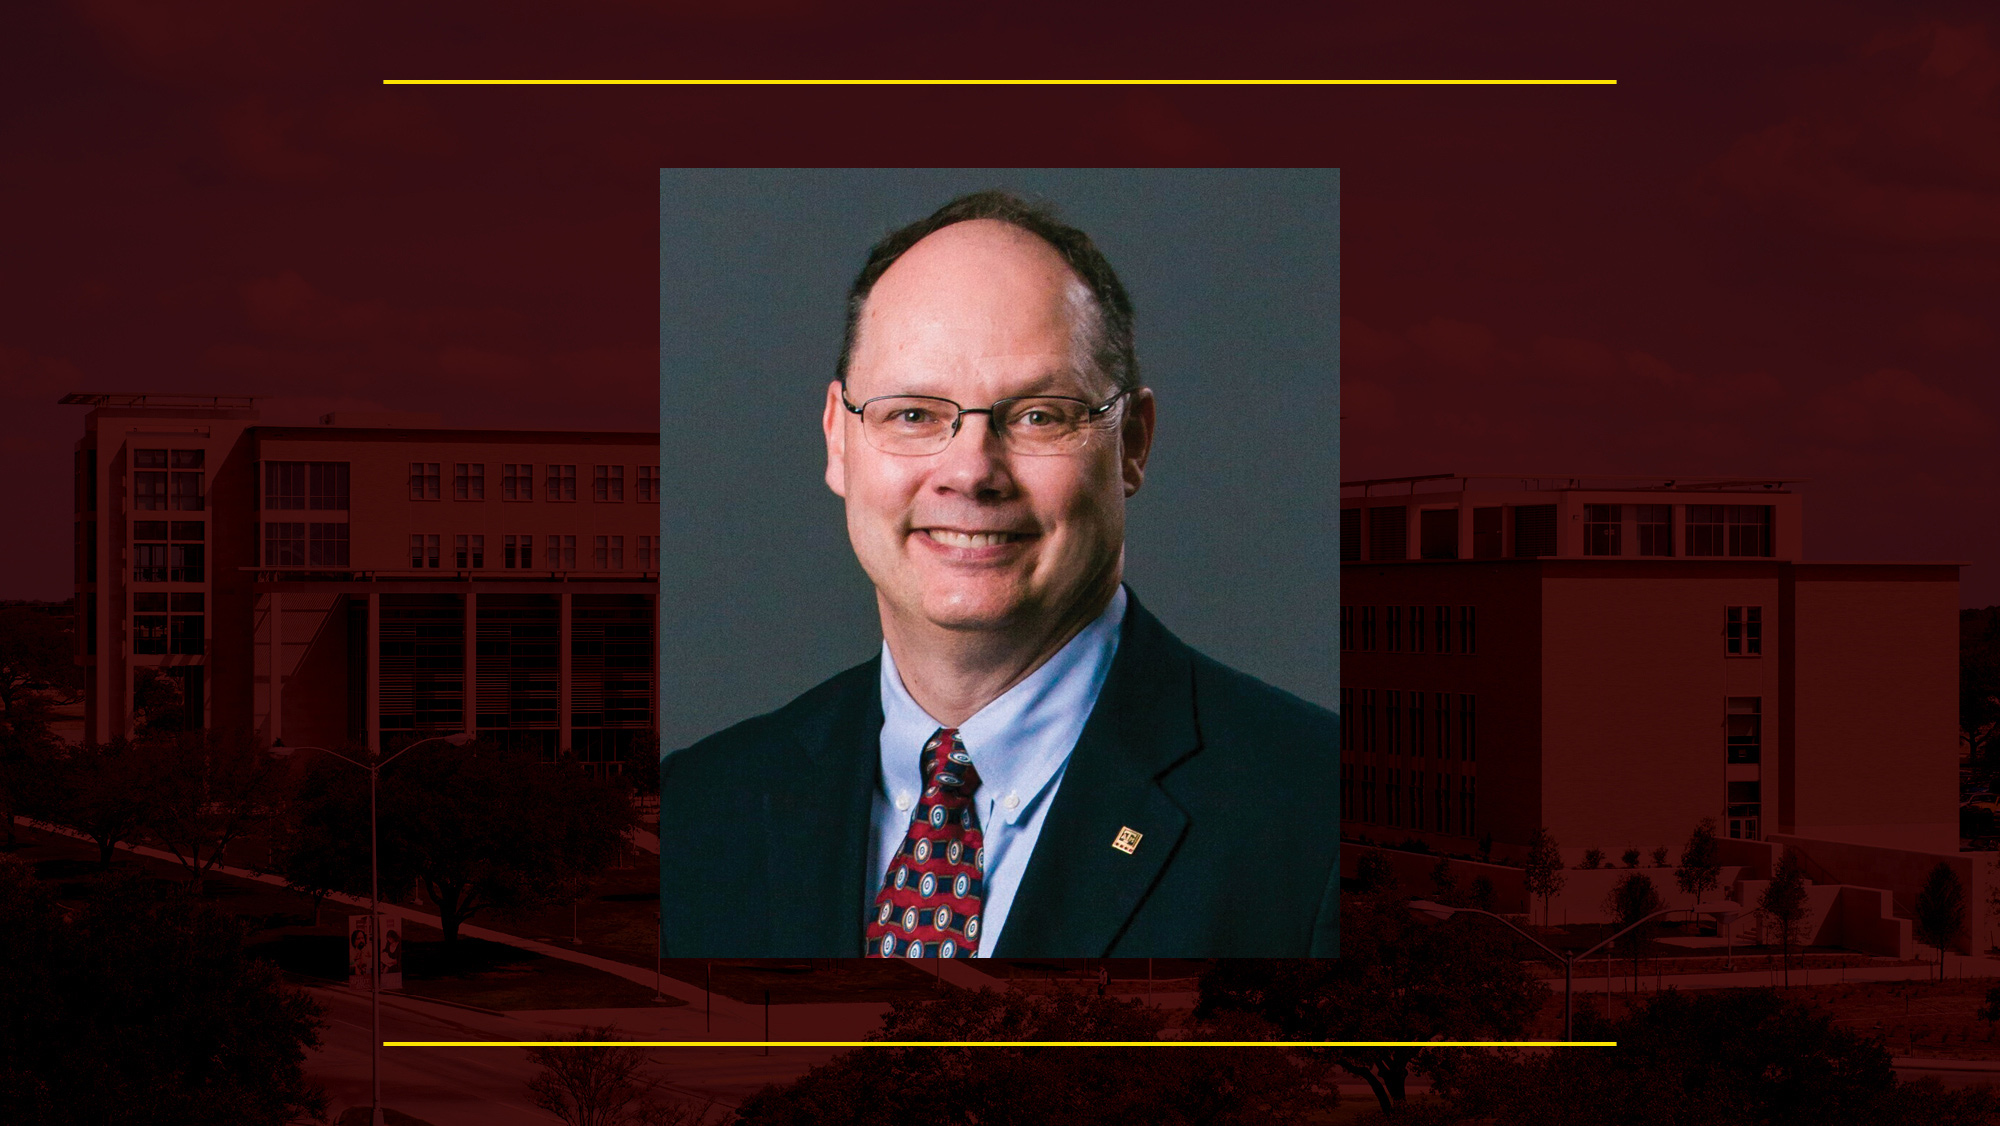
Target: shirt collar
x=1019, y=741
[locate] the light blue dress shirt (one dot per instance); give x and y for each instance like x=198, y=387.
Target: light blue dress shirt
x=1019, y=743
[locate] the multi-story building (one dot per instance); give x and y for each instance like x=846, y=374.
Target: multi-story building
x=1616, y=658
x=368, y=580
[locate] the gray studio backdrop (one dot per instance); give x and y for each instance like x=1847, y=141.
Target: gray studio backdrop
x=1234, y=275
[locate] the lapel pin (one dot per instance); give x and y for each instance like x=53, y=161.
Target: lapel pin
x=1127, y=840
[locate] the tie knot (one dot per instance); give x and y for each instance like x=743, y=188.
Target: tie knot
x=946, y=765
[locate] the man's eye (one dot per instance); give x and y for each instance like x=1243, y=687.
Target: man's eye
x=912, y=416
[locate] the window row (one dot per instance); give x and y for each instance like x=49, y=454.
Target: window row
x=1410, y=799
x=1409, y=629
x=167, y=480
x=320, y=486
x=169, y=563
x=1726, y=530
x=517, y=552
x=517, y=481
x=154, y=631
x=1396, y=721
x=305, y=544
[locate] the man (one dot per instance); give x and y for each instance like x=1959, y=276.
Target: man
x=1033, y=766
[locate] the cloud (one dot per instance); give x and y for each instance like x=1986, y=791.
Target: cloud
x=286, y=304
x=26, y=377
x=1894, y=405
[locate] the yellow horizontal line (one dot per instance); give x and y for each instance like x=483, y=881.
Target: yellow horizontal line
x=999, y=82
x=999, y=1043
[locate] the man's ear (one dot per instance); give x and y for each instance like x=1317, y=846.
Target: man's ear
x=836, y=440
x=1136, y=438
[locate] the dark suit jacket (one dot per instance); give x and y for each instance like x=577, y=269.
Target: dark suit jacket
x=1233, y=784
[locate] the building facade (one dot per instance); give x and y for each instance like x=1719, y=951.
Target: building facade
x=367, y=581
x=1615, y=658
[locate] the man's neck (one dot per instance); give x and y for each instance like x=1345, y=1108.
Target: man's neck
x=952, y=674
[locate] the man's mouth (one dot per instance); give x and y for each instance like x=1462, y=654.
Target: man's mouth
x=948, y=537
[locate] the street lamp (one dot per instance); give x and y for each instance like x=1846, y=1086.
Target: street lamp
x=374, y=767
x=1440, y=912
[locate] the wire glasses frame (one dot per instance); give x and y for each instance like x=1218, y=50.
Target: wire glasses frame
x=1009, y=418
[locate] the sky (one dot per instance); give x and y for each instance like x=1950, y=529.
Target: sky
x=1772, y=248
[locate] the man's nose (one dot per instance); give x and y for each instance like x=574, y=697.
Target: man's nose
x=975, y=461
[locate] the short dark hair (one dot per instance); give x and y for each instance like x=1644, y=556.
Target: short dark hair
x=1110, y=341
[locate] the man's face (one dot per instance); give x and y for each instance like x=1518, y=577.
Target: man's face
x=977, y=537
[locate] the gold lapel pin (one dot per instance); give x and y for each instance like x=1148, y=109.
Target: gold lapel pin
x=1127, y=840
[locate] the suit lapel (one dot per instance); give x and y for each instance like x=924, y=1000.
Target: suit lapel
x=1080, y=890
x=816, y=862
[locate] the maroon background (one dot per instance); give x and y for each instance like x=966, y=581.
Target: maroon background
x=1771, y=249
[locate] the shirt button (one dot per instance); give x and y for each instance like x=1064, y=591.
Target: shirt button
x=1013, y=801
x=903, y=801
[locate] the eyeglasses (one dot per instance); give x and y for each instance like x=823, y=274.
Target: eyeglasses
x=1037, y=425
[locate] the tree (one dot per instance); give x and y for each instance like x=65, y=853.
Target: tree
x=1592, y=858
x=1939, y=915
x=1711, y=1058
x=606, y=1086
x=1052, y=1086
x=206, y=791
x=37, y=669
x=1660, y=857
x=319, y=841
x=1979, y=683
x=480, y=827
x=1630, y=857
x=102, y=791
x=143, y=1007
x=1631, y=900
x=1397, y=978
x=1373, y=873
x=1444, y=881
x=1542, y=875
x=1784, y=904
x=1700, y=869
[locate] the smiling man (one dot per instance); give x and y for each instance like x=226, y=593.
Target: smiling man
x=1033, y=766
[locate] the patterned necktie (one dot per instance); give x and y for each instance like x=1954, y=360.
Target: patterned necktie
x=929, y=903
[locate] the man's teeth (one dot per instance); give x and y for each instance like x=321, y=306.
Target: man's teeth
x=970, y=539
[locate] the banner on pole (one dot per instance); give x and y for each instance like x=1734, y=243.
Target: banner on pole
x=359, y=949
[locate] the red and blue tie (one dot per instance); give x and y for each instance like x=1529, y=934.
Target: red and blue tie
x=930, y=899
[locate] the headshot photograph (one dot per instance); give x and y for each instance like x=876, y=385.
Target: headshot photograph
x=999, y=563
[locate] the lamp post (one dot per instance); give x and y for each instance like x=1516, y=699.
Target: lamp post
x=1440, y=912
x=374, y=767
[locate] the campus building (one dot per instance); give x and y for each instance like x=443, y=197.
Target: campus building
x=1615, y=658
x=369, y=580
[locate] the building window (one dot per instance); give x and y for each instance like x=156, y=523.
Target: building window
x=1744, y=729
x=284, y=545
x=1443, y=725
x=149, y=459
x=1468, y=795
x=1655, y=525
x=561, y=482
x=1417, y=724
x=1392, y=709
x=1437, y=533
x=1534, y=530
x=1468, y=715
x=1350, y=535
x=1749, y=528
x=1486, y=534
x=517, y=481
x=1443, y=809
x=1468, y=629
x=1395, y=630
x=649, y=553
x=284, y=484
x=423, y=551
x=468, y=480
x=1346, y=628
x=1368, y=628
x=562, y=553
x=1388, y=533
x=518, y=551
x=1600, y=529
x=149, y=563
x=1443, y=629
x=1416, y=629
x=1743, y=631
x=149, y=480
x=1368, y=720
x=186, y=636
x=190, y=531
x=609, y=482
x=1417, y=799
x=186, y=563
x=426, y=483
x=609, y=553
x=149, y=633
x=326, y=545
x=469, y=551
x=1704, y=525
x=1394, y=797
x=648, y=482
x=186, y=494
x=1745, y=802
x=326, y=486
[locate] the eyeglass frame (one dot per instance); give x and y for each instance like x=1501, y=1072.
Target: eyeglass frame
x=956, y=423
